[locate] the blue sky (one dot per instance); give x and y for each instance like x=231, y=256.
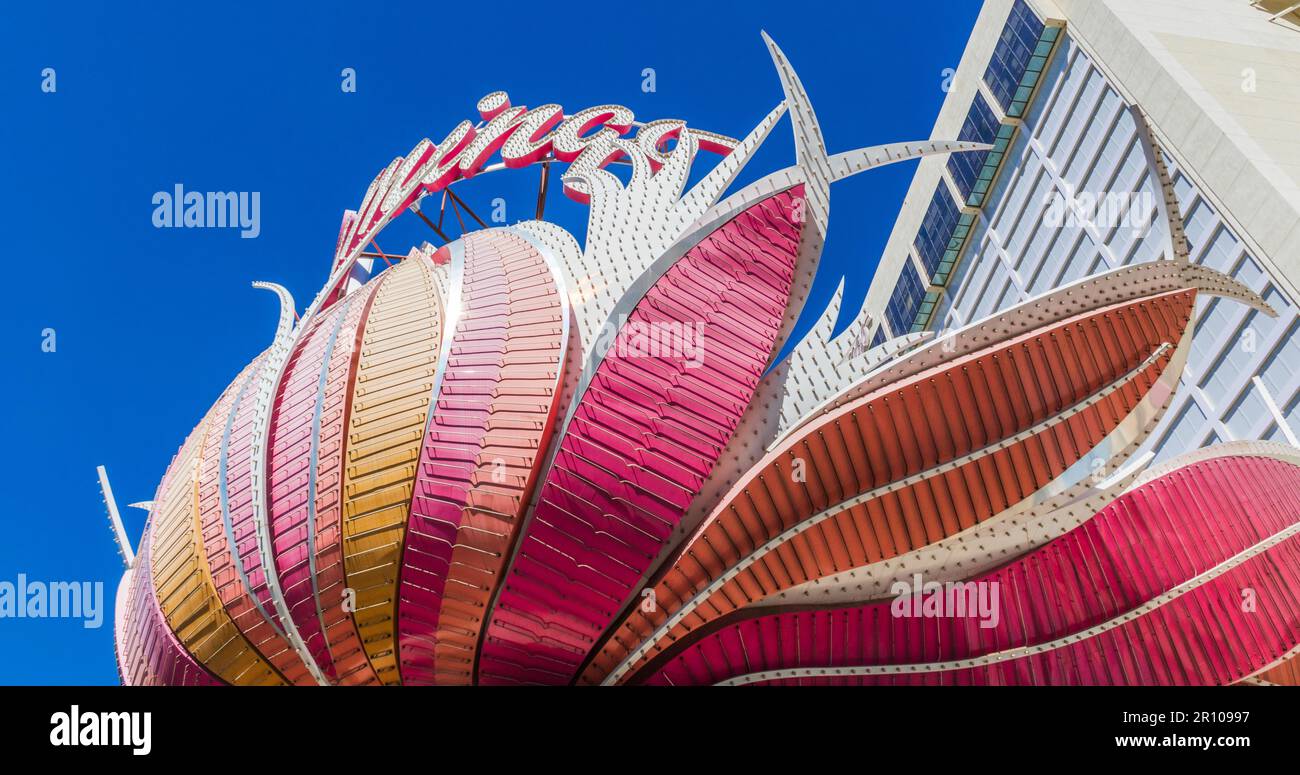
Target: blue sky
x=152, y=323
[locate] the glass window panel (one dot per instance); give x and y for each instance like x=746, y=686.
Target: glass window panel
x=1184, y=433
x=936, y=228
x=1233, y=364
x=901, y=310
x=1011, y=56
x=1220, y=251
x=1080, y=116
x=1279, y=371
x=1052, y=122
x=988, y=300
x=980, y=126
x=1249, y=413
x=1096, y=131
x=1197, y=224
x=1009, y=298
x=1008, y=210
x=1108, y=162
x=1183, y=188
x=1015, y=241
x=1209, y=327
x=1247, y=271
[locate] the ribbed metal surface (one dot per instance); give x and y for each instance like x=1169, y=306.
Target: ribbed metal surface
x=351, y=665
x=496, y=402
x=149, y=653
x=1152, y=590
x=1285, y=673
x=289, y=461
x=226, y=513
x=185, y=586
x=390, y=401
x=643, y=438
x=942, y=451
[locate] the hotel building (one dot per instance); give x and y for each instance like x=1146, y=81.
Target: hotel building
x=1066, y=191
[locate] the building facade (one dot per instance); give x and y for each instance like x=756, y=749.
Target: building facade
x=1066, y=192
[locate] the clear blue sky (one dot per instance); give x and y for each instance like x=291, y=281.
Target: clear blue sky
x=152, y=323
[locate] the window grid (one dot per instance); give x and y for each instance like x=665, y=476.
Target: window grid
x=988, y=172
x=1033, y=71
x=980, y=126
x=975, y=174
x=902, y=304
x=1092, y=142
x=937, y=229
x=1009, y=64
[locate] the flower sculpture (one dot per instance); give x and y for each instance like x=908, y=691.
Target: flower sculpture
x=515, y=459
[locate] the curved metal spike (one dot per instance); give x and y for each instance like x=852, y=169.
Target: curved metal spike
x=285, y=325
x=115, y=520
x=819, y=170
x=809, y=146
x=267, y=382
x=1176, y=240
x=850, y=163
x=1083, y=295
x=1216, y=283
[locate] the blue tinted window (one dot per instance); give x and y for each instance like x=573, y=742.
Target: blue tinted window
x=980, y=126
x=936, y=229
x=907, y=295
x=1011, y=56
